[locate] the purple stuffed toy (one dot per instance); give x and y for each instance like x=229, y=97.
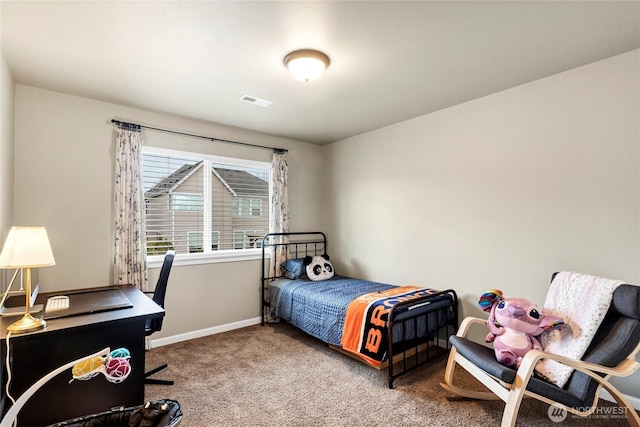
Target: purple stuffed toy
x=514, y=324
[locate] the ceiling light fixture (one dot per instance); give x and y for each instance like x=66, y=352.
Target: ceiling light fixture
x=306, y=64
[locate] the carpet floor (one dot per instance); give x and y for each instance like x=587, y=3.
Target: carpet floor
x=276, y=375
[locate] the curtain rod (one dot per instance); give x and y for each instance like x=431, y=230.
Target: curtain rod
x=137, y=126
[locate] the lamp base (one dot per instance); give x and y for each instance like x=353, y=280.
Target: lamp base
x=26, y=324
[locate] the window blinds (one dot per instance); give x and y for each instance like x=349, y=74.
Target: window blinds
x=196, y=204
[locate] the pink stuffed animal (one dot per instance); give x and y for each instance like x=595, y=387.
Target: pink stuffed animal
x=514, y=324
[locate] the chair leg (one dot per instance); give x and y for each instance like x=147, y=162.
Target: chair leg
x=518, y=388
x=512, y=405
x=449, y=385
x=153, y=371
x=632, y=416
x=153, y=380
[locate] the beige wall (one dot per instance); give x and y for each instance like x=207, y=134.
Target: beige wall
x=499, y=192
x=6, y=160
x=6, y=156
x=64, y=161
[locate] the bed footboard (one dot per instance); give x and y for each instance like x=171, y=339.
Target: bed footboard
x=420, y=331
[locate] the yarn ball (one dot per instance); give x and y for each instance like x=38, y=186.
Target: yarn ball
x=120, y=352
x=117, y=369
x=87, y=368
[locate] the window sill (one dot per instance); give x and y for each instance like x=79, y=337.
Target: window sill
x=155, y=261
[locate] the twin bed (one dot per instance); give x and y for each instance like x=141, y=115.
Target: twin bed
x=354, y=316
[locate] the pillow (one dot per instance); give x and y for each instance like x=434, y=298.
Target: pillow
x=293, y=268
x=318, y=268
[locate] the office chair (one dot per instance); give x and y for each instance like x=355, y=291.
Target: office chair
x=154, y=325
x=611, y=353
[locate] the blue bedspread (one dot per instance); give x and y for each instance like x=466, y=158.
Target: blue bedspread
x=318, y=308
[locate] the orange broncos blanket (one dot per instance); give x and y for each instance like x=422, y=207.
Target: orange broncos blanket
x=365, y=325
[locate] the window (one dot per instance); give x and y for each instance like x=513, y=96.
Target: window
x=247, y=239
x=246, y=207
x=215, y=240
x=195, y=242
x=199, y=204
x=185, y=202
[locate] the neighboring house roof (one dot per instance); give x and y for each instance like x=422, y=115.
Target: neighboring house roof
x=172, y=181
x=239, y=182
x=243, y=183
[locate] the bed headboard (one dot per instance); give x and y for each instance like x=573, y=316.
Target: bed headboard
x=295, y=245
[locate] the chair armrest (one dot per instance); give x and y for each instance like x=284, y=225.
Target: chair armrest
x=625, y=368
x=466, y=324
x=148, y=292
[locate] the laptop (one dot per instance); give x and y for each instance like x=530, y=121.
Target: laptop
x=90, y=301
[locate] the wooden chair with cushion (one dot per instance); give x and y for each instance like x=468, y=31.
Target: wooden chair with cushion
x=611, y=352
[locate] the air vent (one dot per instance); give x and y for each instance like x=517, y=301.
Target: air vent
x=255, y=101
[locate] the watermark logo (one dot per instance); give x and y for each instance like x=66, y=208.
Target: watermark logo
x=557, y=415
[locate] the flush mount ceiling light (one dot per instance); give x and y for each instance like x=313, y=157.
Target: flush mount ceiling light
x=306, y=64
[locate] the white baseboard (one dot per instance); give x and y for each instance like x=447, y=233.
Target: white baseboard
x=634, y=401
x=204, y=332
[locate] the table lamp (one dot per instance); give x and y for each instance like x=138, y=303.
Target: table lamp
x=27, y=248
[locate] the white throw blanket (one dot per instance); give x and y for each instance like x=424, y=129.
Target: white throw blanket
x=582, y=302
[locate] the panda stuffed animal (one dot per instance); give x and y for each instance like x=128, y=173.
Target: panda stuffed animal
x=318, y=267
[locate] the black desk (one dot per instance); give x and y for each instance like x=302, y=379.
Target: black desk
x=66, y=339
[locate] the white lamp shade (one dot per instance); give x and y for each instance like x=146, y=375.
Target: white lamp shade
x=26, y=247
x=306, y=65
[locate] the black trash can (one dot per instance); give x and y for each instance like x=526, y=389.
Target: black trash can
x=157, y=413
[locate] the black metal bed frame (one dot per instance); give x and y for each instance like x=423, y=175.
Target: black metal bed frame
x=404, y=355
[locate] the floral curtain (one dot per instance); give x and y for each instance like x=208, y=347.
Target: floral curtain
x=130, y=257
x=279, y=215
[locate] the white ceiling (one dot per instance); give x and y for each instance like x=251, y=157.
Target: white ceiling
x=390, y=61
